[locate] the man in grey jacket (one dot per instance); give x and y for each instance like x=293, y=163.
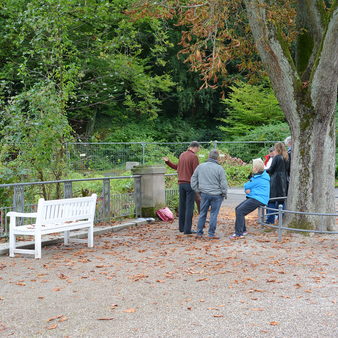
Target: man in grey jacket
x=210, y=181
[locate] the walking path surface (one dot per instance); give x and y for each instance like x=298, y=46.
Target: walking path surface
x=151, y=281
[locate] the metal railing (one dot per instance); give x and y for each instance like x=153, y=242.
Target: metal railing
x=110, y=205
x=264, y=211
x=107, y=155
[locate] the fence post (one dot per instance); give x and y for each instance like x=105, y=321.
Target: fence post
x=260, y=210
x=106, y=197
x=68, y=189
x=137, y=195
x=143, y=152
x=215, y=144
x=18, y=198
x=280, y=222
x=19, y=201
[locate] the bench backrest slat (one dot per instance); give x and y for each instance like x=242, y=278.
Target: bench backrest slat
x=65, y=210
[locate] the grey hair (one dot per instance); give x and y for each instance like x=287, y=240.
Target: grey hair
x=288, y=141
x=194, y=144
x=257, y=165
x=214, y=154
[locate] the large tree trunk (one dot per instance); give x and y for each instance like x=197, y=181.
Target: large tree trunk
x=313, y=168
x=307, y=93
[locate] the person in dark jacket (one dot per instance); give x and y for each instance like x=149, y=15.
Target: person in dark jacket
x=278, y=171
x=257, y=194
x=187, y=163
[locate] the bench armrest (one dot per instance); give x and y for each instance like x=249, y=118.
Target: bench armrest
x=22, y=214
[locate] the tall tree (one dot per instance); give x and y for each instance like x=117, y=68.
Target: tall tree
x=298, y=46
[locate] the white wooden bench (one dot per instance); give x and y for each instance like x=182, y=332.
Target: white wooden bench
x=54, y=216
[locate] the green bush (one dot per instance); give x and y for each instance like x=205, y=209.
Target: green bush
x=250, y=106
x=271, y=132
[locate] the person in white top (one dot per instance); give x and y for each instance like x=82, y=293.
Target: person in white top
x=269, y=158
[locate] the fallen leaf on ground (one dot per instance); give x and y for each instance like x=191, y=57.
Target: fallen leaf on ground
x=218, y=316
x=274, y=323
x=55, y=317
x=52, y=327
x=129, y=310
x=108, y=318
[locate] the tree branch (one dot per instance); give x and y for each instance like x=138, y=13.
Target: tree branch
x=310, y=24
x=325, y=76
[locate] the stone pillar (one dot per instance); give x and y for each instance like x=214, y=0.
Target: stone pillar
x=152, y=189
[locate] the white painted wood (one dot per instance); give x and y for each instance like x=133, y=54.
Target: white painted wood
x=54, y=216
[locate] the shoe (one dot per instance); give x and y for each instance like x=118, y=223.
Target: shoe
x=191, y=232
x=234, y=236
x=199, y=236
x=245, y=233
x=213, y=237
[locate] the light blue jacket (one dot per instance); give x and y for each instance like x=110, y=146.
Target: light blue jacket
x=259, y=186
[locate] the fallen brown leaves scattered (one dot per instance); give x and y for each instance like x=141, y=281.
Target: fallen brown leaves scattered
x=108, y=318
x=274, y=323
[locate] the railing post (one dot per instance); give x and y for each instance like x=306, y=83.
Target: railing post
x=19, y=201
x=106, y=198
x=68, y=189
x=143, y=153
x=137, y=196
x=18, y=198
x=280, y=222
x=215, y=144
x=260, y=210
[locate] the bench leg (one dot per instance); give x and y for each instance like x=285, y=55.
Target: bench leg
x=12, y=243
x=38, y=246
x=90, y=237
x=66, y=237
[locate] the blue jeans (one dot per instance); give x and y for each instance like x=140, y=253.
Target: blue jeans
x=186, y=207
x=270, y=219
x=243, y=209
x=215, y=202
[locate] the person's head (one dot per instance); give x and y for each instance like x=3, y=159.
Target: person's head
x=280, y=150
x=194, y=146
x=214, y=154
x=288, y=142
x=257, y=165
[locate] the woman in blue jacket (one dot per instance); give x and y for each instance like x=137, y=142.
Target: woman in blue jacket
x=257, y=194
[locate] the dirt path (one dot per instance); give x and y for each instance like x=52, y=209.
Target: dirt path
x=149, y=281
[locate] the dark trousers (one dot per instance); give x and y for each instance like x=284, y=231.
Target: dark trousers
x=243, y=209
x=186, y=207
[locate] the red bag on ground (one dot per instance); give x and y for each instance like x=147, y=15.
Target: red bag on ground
x=165, y=214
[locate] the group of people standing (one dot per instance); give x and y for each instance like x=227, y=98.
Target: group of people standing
x=206, y=184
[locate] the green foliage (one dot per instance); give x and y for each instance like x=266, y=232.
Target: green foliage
x=33, y=133
x=237, y=175
x=250, y=106
x=271, y=132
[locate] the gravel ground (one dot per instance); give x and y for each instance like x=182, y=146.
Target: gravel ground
x=150, y=281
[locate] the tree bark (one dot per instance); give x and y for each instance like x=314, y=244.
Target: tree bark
x=307, y=95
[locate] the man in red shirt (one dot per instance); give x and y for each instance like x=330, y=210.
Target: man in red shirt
x=187, y=163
